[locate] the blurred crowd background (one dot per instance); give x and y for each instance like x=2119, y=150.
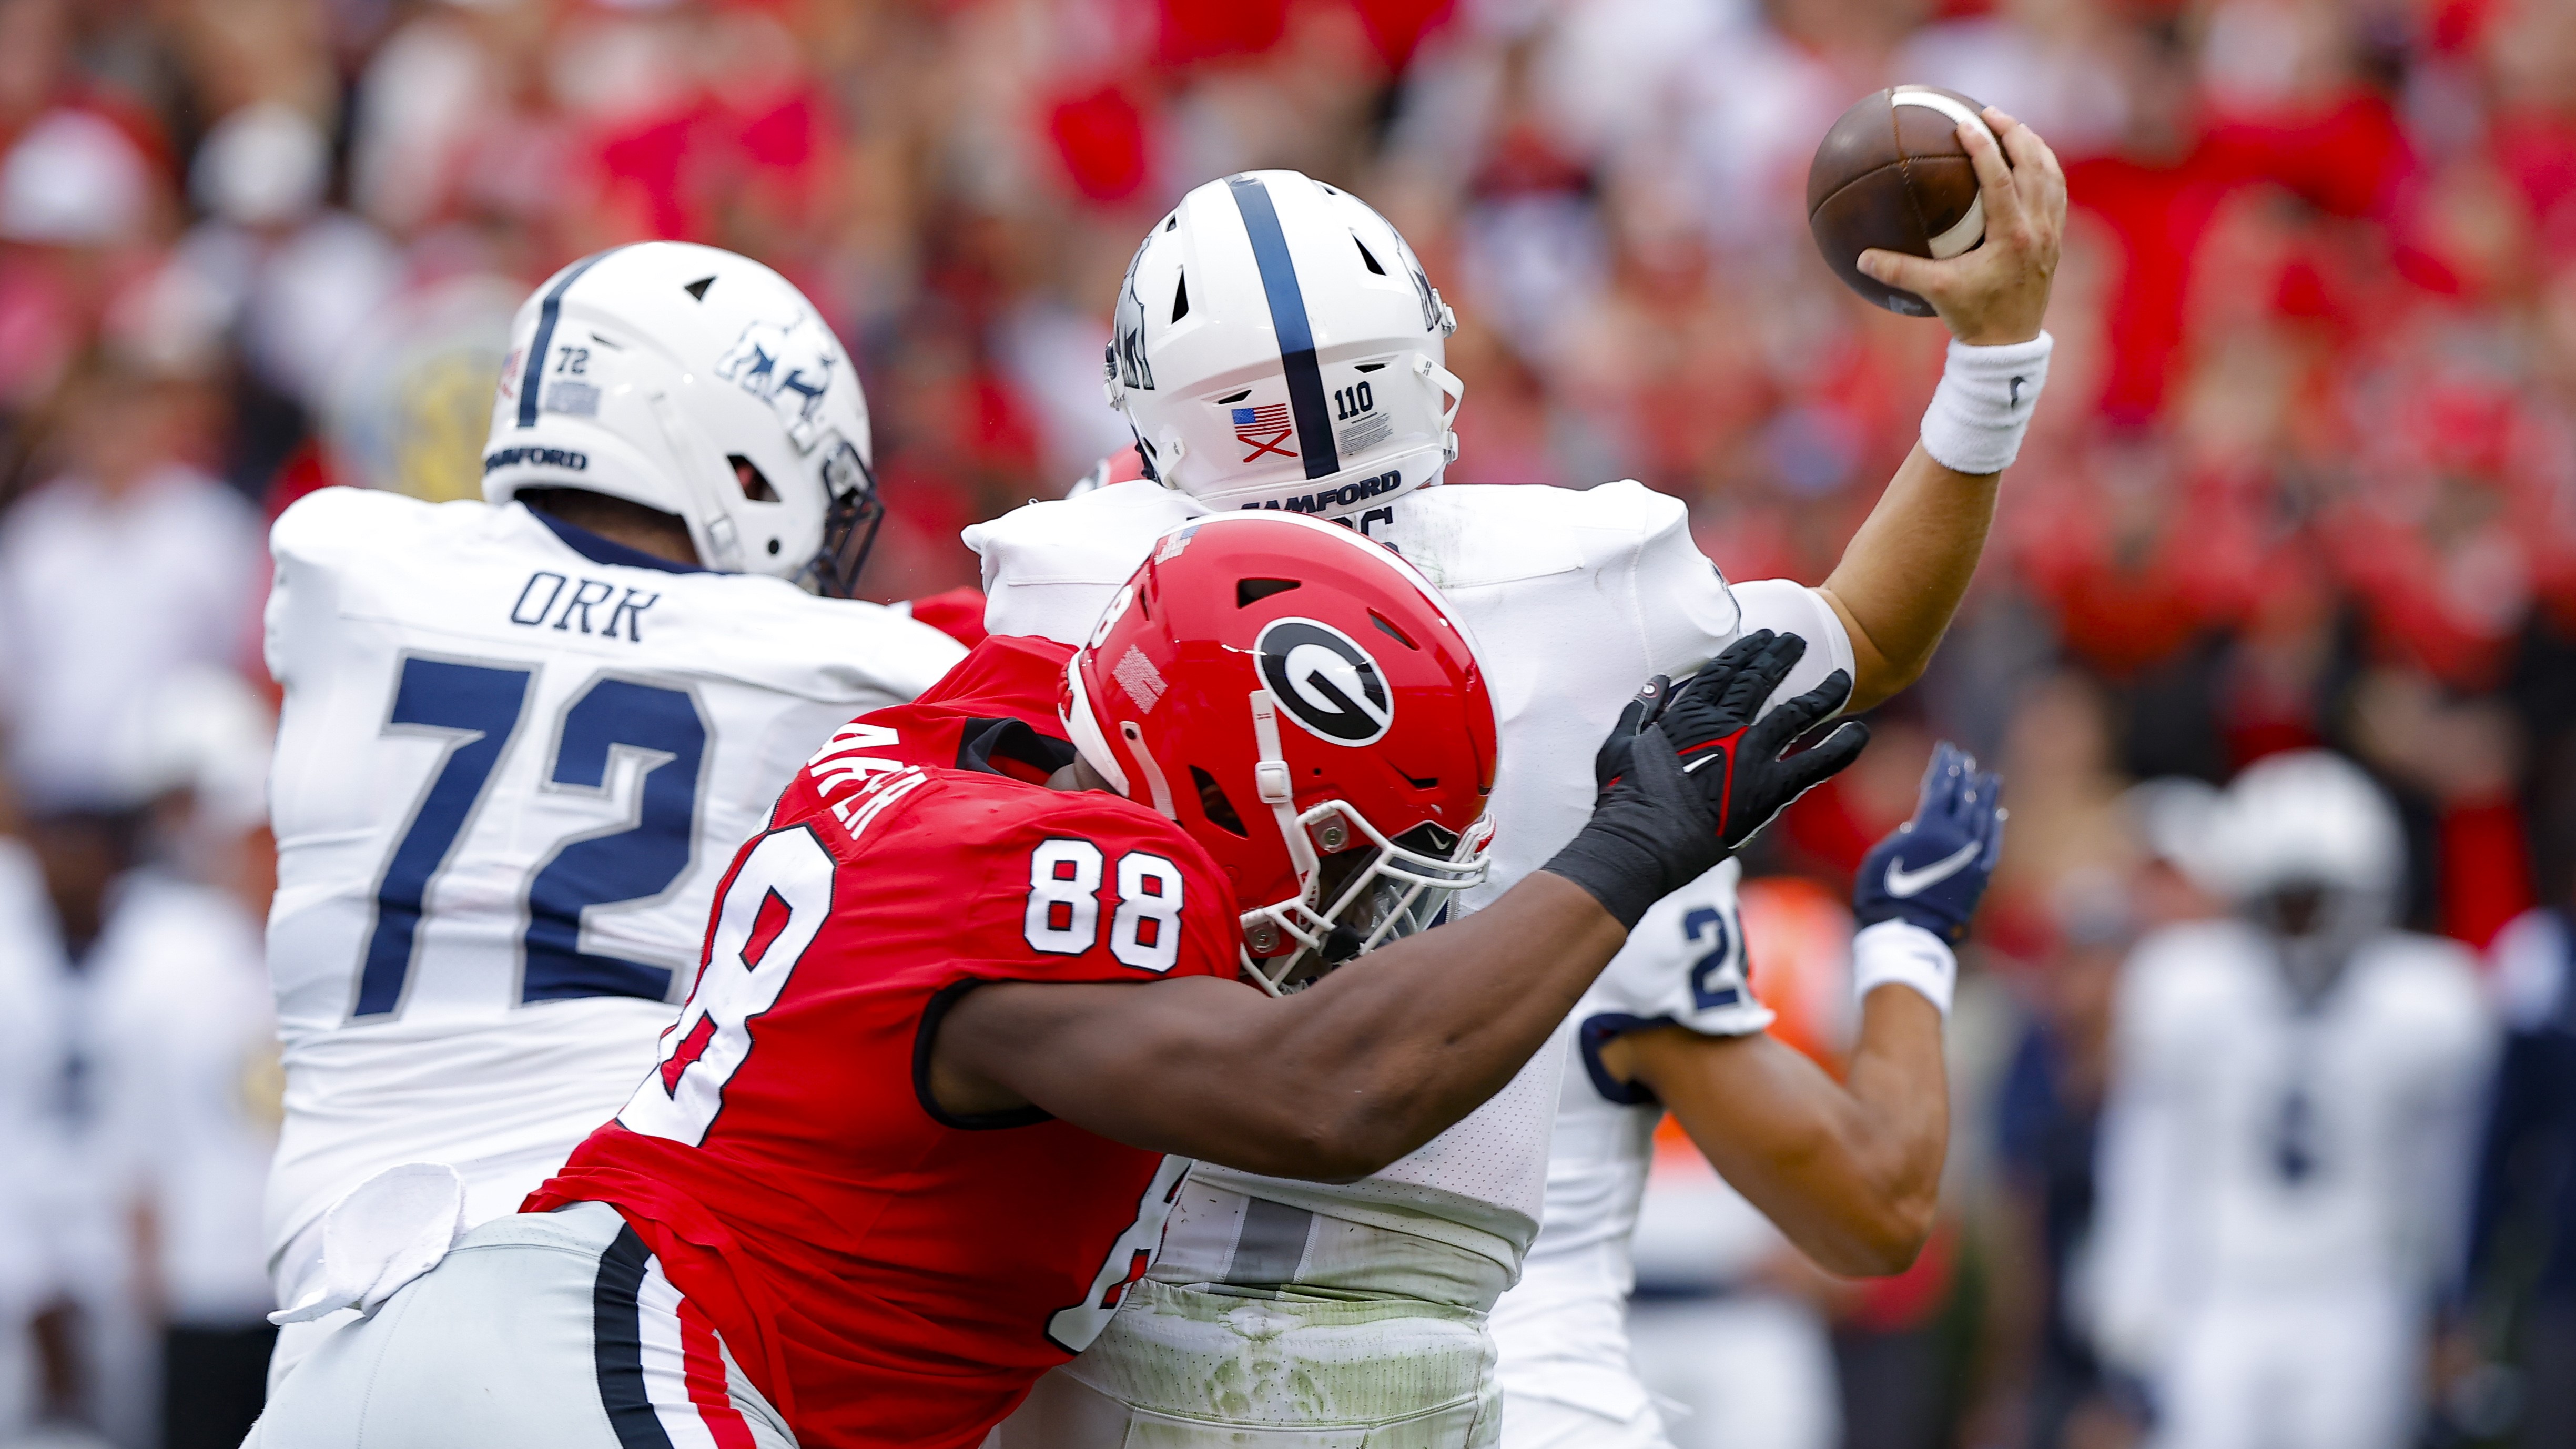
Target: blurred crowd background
x=2305, y=477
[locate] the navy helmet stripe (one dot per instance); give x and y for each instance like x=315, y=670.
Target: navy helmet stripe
x=1288, y=319
x=547, y=311
x=617, y=1343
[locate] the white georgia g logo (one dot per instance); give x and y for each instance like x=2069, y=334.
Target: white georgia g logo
x=1324, y=681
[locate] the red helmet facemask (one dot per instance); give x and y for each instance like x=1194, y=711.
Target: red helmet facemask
x=1296, y=697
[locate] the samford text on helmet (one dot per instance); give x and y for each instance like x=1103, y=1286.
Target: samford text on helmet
x=1296, y=698
x=1277, y=346
x=699, y=383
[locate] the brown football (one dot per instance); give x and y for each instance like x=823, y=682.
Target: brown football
x=1892, y=174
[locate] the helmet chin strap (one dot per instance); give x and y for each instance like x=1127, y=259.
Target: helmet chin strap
x=1453, y=392
x=1083, y=728
x=716, y=536
x=1277, y=790
x=1147, y=766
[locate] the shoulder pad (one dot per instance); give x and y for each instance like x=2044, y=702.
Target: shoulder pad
x=857, y=643
x=2429, y=978
x=2531, y=958
x=2182, y=971
x=336, y=519
x=1081, y=538
x=1468, y=534
x=1049, y=568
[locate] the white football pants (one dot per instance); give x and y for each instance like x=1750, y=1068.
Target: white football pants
x=536, y=1331
x=1535, y=1423
x=1746, y=1371
x=1183, y=1369
x=2312, y=1371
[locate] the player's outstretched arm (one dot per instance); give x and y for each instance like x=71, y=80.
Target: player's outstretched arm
x=1377, y=1058
x=1850, y=1170
x=1903, y=574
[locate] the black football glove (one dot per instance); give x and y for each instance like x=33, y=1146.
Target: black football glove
x=1932, y=869
x=1689, y=774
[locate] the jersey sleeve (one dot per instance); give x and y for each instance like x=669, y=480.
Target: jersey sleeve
x=1684, y=965
x=2529, y=969
x=896, y=658
x=304, y=546
x=1791, y=608
x=1681, y=599
x=1685, y=604
x=1050, y=568
x=854, y=655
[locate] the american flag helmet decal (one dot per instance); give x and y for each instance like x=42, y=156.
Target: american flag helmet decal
x=1265, y=430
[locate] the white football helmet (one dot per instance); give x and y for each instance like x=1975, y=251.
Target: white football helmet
x=700, y=383
x=1277, y=346
x=2308, y=847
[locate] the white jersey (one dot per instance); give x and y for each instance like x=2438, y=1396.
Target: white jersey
x=2258, y=1151
x=512, y=762
x=186, y=1050
x=1561, y=1333
x=1572, y=599
x=66, y=1201
x=34, y=1036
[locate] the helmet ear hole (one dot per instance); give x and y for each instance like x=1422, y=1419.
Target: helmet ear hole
x=1212, y=802
x=754, y=483
x=1387, y=626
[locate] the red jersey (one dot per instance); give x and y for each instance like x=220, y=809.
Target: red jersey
x=887, y=1274
x=993, y=710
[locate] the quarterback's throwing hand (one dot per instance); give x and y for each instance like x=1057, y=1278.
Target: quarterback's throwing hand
x=1693, y=771
x=1931, y=870
x=1997, y=292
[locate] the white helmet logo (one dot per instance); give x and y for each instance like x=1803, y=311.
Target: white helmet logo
x=1324, y=681
x=787, y=366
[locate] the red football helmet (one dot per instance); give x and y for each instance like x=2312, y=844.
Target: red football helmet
x=1296, y=697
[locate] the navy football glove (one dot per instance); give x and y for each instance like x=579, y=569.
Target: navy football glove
x=1932, y=869
x=1689, y=774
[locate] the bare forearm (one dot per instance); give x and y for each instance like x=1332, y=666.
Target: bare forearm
x=1851, y=1170
x=1416, y=1035
x=1336, y=1081
x=1900, y=1083
x=1902, y=575
x=1904, y=572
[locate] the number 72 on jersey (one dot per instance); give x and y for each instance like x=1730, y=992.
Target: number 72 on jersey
x=477, y=710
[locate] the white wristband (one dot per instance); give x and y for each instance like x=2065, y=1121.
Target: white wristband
x=1900, y=953
x=1984, y=404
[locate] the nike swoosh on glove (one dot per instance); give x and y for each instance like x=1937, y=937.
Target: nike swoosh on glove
x=1932, y=870
x=1690, y=774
